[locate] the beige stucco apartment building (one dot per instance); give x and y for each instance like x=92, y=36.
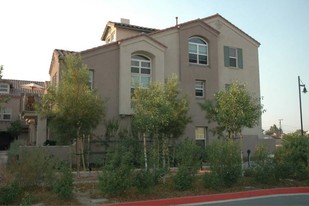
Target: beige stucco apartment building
x=20, y=107
x=206, y=54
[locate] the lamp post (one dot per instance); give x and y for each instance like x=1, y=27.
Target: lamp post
x=301, y=84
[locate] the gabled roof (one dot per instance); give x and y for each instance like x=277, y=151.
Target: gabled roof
x=227, y=21
x=125, y=26
x=149, y=32
x=187, y=23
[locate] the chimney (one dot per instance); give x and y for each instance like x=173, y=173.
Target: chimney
x=124, y=21
x=176, y=20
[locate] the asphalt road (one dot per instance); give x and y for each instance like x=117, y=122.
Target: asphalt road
x=274, y=200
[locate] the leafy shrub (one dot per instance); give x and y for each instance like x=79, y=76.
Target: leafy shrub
x=292, y=159
x=14, y=151
x=115, y=182
x=117, y=173
x=188, y=155
x=263, y=169
x=144, y=180
x=9, y=193
x=63, y=183
x=34, y=168
x=183, y=180
x=212, y=180
x=225, y=161
x=27, y=199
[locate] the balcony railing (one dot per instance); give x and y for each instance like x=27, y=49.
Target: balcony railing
x=28, y=102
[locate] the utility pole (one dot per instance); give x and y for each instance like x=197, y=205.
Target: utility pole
x=280, y=129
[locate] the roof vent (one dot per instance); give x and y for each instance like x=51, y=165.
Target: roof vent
x=125, y=21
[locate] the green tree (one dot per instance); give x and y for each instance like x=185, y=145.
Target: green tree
x=233, y=109
x=72, y=108
x=161, y=113
x=274, y=131
x=15, y=128
x=292, y=158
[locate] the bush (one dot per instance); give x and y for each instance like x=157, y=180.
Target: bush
x=34, y=168
x=14, y=151
x=9, y=193
x=115, y=182
x=183, y=180
x=292, y=159
x=188, y=154
x=212, y=180
x=117, y=173
x=144, y=180
x=63, y=185
x=188, y=157
x=225, y=161
x=263, y=169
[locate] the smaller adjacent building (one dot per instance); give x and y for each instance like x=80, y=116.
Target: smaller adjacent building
x=21, y=96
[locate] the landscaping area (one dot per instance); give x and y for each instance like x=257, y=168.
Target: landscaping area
x=36, y=177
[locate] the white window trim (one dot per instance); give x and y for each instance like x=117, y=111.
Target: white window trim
x=200, y=88
x=197, y=50
x=233, y=57
x=7, y=88
x=6, y=111
x=140, y=67
x=91, y=76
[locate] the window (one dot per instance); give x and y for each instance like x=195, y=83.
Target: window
x=233, y=57
x=90, y=79
x=200, y=88
x=4, y=88
x=6, y=114
x=198, y=51
x=140, y=72
x=200, y=133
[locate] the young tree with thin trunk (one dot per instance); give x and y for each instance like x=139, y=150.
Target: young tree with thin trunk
x=233, y=109
x=160, y=113
x=72, y=108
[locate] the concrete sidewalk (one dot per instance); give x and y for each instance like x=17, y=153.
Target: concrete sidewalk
x=218, y=197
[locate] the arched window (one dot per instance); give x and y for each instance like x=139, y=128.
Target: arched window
x=140, y=71
x=198, y=51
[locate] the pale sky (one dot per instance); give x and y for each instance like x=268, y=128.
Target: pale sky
x=30, y=30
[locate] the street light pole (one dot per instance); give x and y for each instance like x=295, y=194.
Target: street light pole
x=300, y=105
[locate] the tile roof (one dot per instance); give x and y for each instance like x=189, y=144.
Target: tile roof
x=126, y=26
x=134, y=27
x=16, y=89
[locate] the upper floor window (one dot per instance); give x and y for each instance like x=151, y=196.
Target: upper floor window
x=233, y=57
x=198, y=51
x=200, y=88
x=4, y=88
x=140, y=72
x=90, y=79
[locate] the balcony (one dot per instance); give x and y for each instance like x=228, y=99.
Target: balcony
x=28, y=106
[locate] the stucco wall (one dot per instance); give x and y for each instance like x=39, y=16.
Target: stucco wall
x=249, y=74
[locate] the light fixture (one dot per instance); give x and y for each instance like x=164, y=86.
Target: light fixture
x=301, y=84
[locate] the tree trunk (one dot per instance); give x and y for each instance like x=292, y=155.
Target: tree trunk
x=82, y=153
x=145, y=151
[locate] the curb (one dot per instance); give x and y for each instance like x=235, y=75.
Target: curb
x=217, y=197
